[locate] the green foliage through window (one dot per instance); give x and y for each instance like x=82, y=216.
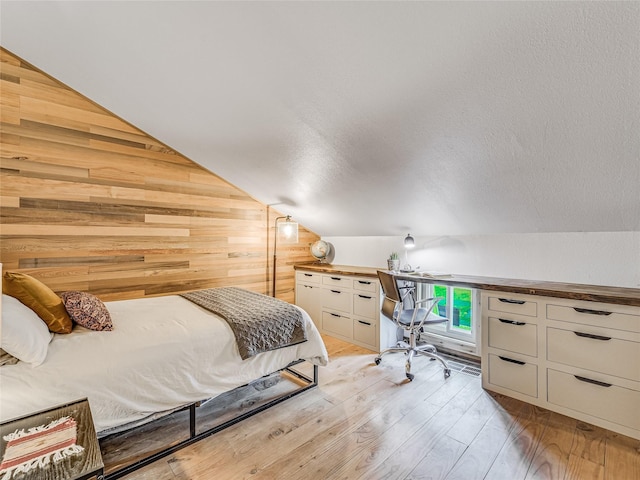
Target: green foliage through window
x=461, y=315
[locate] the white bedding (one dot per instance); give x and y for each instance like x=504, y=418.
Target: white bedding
x=163, y=353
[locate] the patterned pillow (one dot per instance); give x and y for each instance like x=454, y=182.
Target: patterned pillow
x=87, y=310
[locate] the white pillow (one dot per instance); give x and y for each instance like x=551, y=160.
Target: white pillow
x=23, y=334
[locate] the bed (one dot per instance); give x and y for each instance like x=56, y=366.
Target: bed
x=163, y=354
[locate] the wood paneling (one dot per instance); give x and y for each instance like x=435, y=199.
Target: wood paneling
x=89, y=202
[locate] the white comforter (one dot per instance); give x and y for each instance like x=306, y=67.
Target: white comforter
x=163, y=353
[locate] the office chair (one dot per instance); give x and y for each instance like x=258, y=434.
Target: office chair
x=411, y=321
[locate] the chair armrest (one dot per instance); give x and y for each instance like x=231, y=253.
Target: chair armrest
x=434, y=301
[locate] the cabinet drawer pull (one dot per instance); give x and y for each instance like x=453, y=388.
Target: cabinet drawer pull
x=511, y=322
x=335, y=291
x=364, y=323
x=508, y=300
x=591, y=335
x=365, y=296
x=363, y=282
x=595, y=382
x=334, y=315
x=308, y=274
x=336, y=278
x=506, y=359
x=592, y=312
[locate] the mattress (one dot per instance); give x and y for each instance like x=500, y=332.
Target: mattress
x=163, y=353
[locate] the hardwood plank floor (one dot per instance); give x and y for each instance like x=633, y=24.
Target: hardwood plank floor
x=369, y=422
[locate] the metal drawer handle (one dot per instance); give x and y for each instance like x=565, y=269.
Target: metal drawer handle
x=335, y=291
x=595, y=382
x=364, y=282
x=511, y=360
x=508, y=300
x=364, y=323
x=591, y=335
x=336, y=278
x=591, y=312
x=335, y=314
x=511, y=322
x=365, y=296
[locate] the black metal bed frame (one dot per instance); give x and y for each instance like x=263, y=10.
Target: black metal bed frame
x=194, y=437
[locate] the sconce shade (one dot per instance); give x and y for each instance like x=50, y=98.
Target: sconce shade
x=409, y=242
x=288, y=231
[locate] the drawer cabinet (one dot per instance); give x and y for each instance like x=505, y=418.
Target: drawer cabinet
x=337, y=299
x=366, y=305
x=346, y=307
x=365, y=331
x=508, y=303
x=337, y=324
x=578, y=358
x=513, y=336
x=599, y=315
x=370, y=286
x=595, y=398
x=513, y=374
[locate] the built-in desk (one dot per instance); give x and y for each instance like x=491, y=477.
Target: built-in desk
x=573, y=291
x=570, y=348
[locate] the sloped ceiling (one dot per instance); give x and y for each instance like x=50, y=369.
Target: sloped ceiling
x=373, y=118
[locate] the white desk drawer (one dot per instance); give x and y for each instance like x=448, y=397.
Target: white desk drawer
x=366, y=285
x=598, y=353
x=336, y=281
x=508, y=304
x=336, y=323
x=599, y=399
x=366, y=305
x=308, y=277
x=513, y=374
x=597, y=315
x=513, y=336
x=336, y=299
x=365, y=331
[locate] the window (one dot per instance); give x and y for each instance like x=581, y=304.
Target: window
x=458, y=305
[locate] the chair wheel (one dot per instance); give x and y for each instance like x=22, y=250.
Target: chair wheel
x=447, y=372
x=410, y=376
x=377, y=360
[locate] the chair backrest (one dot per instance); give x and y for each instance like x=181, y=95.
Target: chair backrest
x=391, y=294
x=389, y=286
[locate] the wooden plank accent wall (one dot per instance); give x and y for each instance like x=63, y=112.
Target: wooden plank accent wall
x=89, y=202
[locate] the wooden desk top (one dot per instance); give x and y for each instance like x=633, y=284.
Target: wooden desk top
x=575, y=291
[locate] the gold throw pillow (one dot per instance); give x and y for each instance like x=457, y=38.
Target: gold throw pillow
x=39, y=298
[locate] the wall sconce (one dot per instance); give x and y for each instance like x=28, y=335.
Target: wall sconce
x=287, y=232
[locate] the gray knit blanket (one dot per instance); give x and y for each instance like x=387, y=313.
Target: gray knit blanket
x=259, y=323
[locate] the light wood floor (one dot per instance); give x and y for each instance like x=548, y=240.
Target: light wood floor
x=368, y=422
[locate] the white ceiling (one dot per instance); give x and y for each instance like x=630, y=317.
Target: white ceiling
x=373, y=118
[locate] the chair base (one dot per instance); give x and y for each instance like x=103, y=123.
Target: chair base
x=412, y=350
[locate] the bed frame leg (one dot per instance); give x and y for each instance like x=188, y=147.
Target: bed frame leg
x=192, y=420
